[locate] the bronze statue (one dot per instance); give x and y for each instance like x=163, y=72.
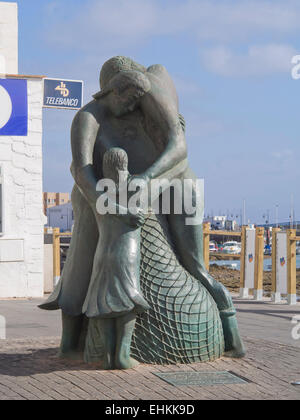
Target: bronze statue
x=114, y=296
x=136, y=110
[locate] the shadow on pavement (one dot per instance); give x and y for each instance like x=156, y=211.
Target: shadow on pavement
x=39, y=361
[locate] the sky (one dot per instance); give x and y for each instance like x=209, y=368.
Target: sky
x=231, y=63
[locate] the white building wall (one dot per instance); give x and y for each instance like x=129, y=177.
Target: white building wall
x=8, y=38
x=21, y=245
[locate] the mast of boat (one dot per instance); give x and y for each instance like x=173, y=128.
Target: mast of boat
x=276, y=214
x=244, y=212
x=292, y=212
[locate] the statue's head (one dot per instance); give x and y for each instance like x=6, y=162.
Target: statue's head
x=115, y=164
x=122, y=82
x=116, y=65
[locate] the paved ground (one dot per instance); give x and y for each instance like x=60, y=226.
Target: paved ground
x=261, y=320
x=30, y=370
x=25, y=319
x=267, y=321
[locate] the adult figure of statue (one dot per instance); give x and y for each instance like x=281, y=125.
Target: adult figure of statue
x=136, y=110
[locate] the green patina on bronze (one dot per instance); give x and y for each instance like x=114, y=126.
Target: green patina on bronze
x=191, y=316
x=183, y=324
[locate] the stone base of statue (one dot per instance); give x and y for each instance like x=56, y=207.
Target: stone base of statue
x=183, y=324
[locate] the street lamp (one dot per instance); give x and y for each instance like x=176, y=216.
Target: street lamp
x=276, y=214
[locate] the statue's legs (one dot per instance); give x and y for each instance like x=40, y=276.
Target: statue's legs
x=108, y=335
x=72, y=342
x=188, y=240
x=116, y=337
x=125, y=327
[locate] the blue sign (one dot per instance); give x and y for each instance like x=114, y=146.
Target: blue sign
x=13, y=107
x=66, y=94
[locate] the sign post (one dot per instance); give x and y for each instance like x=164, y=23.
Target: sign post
x=259, y=264
x=248, y=257
x=291, y=267
x=284, y=278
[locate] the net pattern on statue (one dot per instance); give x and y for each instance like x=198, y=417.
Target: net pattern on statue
x=183, y=324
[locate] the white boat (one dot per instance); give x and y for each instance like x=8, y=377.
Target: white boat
x=232, y=247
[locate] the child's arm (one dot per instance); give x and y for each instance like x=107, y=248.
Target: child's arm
x=134, y=220
x=107, y=206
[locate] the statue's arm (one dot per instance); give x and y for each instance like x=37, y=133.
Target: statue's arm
x=163, y=113
x=83, y=137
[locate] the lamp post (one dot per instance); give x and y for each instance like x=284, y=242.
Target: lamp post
x=276, y=215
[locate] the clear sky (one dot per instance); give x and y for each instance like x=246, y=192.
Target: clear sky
x=231, y=62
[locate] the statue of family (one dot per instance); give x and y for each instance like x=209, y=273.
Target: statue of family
x=134, y=287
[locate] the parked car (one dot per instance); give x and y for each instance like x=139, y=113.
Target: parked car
x=232, y=247
x=213, y=247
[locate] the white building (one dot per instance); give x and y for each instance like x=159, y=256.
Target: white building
x=231, y=225
x=22, y=219
x=8, y=38
x=61, y=217
x=217, y=222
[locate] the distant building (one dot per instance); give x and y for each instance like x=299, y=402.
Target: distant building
x=231, y=225
x=217, y=222
x=61, y=217
x=51, y=199
x=222, y=223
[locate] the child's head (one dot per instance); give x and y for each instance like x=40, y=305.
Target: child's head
x=115, y=160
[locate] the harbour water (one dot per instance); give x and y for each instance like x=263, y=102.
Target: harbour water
x=235, y=264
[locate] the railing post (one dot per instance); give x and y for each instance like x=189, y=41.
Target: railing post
x=291, y=267
x=276, y=296
x=206, y=235
x=259, y=264
x=244, y=293
x=56, y=256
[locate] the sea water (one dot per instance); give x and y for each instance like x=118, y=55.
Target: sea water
x=235, y=264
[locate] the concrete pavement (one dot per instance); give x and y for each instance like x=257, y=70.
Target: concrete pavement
x=30, y=369
x=258, y=320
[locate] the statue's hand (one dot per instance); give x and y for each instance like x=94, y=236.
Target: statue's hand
x=133, y=220
x=138, y=182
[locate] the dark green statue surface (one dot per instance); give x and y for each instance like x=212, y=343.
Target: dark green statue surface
x=183, y=324
x=152, y=300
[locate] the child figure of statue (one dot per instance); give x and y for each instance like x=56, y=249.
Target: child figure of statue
x=114, y=297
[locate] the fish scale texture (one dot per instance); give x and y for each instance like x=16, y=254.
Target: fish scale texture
x=183, y=324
